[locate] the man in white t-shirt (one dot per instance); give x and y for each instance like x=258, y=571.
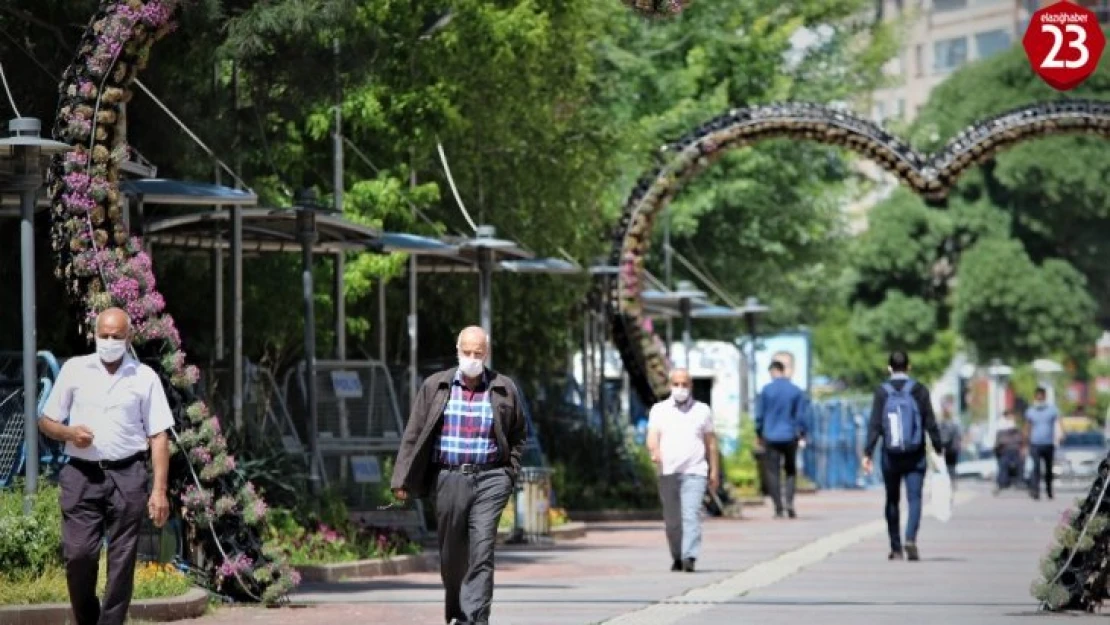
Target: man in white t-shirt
x=683, y=444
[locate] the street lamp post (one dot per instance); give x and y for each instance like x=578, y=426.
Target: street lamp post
x=751, y=311
x=306, y=206
x=27, y=151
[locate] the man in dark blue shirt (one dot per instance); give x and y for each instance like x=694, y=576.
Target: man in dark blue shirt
x=779, y=424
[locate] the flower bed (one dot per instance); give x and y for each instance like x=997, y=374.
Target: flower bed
x=102, y=266
x=152, y=581
x=326, y=544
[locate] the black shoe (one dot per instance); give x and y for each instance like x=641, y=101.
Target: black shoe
x=778, y=514
x=676, y=565
x=790, y=513
x=895, y=555
x=911, y=552
x=688, y=565
x=1036, y=497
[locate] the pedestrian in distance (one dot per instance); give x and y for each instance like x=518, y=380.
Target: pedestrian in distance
x=902, y=415
x=951, y=440
x=1009, y=450
x=1043, y=431
x=683, y=445
x=463, y=443
x=112, y=413
x=780, y=430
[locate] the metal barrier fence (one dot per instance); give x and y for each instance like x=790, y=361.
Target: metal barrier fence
x=359, y=425
x=837, y=435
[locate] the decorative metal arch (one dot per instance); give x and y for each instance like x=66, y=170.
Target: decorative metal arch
x=931, y=176
x=102, y=266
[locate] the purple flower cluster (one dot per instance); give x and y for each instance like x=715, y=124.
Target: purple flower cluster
x=104, y=267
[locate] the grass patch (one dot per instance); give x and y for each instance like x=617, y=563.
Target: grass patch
x=152, y=581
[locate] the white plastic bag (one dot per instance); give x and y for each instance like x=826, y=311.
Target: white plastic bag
x=940, y=494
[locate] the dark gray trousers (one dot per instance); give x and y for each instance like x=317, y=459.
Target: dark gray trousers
x=782, y=458
x=96, y=502
x=468, y=507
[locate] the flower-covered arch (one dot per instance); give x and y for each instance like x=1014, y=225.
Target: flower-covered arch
x=103, y=266
x=931, y=176
x=657, y=8
x=1076, y=570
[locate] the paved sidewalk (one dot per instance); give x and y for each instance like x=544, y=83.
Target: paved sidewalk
x=976, y=569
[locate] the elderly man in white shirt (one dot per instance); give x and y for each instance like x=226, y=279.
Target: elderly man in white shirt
x=116, y=410
x=683, y=444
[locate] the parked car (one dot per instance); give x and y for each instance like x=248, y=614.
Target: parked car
x=1078, y=454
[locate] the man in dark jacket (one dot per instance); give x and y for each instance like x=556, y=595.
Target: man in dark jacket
x=903, y=454
x=779, y=425
x=463, y=441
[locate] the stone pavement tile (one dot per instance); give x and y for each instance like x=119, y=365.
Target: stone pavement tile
x=617, y=568
x=976, y=569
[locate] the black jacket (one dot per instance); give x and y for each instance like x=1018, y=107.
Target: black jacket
x=415, y=467
x=920, y=394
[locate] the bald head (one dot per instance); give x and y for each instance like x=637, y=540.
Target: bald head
x=113, y=323
x=680, y=377
x=473, y=343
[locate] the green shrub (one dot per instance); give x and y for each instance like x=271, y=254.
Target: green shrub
x=30, y=544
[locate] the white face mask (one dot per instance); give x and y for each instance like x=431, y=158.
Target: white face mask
x=110, y=350
x=471, y=367
x=680, y=394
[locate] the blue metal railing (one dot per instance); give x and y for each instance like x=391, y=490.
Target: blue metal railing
x=12, y=449
x=837, y=435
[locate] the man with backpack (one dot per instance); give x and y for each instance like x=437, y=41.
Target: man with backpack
x=902, y=415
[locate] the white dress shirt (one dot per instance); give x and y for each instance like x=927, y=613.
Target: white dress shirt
x=122, y=409
x=682, y=436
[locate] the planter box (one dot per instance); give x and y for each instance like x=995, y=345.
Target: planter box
x=192, y=604
x=572, y=530
x=399, y=565
x=601, y=516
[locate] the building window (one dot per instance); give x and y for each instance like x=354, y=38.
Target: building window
x=991, y=42
x=900, y=109
x=940, y=6
x=919, y=59
x=948, y=54
x=878, y=111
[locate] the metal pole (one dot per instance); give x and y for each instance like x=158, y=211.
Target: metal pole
x=308, y=238
x=381, y=320
x=337, y=136
x=340, y=307
x=687, y=338
x=237, y=315
x=485, y=295
x=30, y=348
x=218, y=273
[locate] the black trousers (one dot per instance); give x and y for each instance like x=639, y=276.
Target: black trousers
x=781, y=458
x=468, y=507
x=1045, y=454
x=97, y=503
x=951, y=461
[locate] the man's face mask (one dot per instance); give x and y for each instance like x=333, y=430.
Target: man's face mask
x=471, y=367
x=680, y=393
x=110, y=350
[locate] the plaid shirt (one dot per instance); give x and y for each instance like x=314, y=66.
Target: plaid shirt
x=467, y=436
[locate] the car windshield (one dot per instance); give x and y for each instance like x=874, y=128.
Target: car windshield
x=1084, y=439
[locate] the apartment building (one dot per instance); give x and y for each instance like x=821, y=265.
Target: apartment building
x=941, y=36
